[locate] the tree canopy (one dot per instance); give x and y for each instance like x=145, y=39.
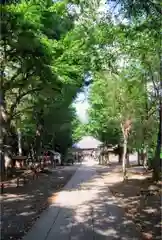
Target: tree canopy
x=48, y=48
x=43, y=64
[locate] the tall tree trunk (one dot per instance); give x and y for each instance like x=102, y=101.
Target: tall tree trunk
x=160, y=112
x=108, y=158
x=32, y=154
x=127, y=159
x=100, y=158
x=157, y=159
x=3, y=133
x=158, y=153
x=120, y=154
x=160, y=129
x=145, y=157
x=63, y=154
x=19, y=142
x=124, y=158
x=126, y=127
x=2, y=165
x=139, y=157
x=38, y=141
x=120, y=157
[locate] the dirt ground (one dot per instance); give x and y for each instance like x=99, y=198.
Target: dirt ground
x=20, y=207
x=141, y=200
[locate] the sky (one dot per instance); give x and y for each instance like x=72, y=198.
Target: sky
x=81, y=104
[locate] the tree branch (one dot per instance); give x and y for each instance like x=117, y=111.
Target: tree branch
x=14, y=115
x=19, y=97
x=151, y=113
x=153, y=81
x=12, y=84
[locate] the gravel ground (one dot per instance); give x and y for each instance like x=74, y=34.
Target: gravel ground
x=20, y=207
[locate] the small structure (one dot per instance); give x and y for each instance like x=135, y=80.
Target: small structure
x=88, y=145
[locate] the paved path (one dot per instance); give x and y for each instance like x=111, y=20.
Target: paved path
x=84, y=210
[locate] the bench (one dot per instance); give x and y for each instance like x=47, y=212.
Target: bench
x=23, y=176
x=34, y=170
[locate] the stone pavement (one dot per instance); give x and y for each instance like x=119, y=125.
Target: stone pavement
x=84, y=210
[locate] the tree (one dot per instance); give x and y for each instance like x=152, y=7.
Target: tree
x=25, y=60
x=138, y=44
x=44, y=62
x=118, y=100
x=147, y=15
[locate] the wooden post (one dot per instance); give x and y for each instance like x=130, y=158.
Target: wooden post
x=24, y=180
x=54, y=163
x=33, y=174
x=36, y=173
x=19, y=142
x=2, y=188
x=18, y=182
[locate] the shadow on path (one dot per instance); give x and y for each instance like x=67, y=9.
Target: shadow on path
x=84, y=210
x=20, y=207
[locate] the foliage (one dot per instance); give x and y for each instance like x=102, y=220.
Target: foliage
x=79, y=129
x=43, y=64
x=130, y=89
x=48, y=48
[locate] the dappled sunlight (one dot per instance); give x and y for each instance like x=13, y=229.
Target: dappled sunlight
x=21, y=206
x=141, y=203
x=82, y=213
x=110, y=232
x=27, y=206
x=60, y=177
x=14, y=197
x=66, y=198
x=27, y=213
x=87, y=210
x=150, y=210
